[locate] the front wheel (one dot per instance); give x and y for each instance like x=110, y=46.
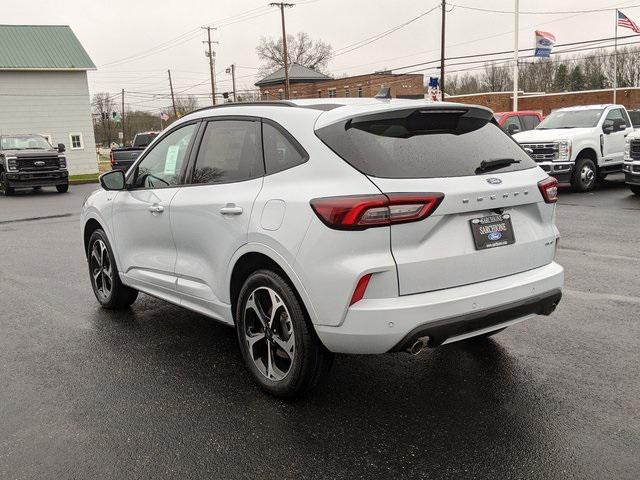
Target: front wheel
x=584, y=175
x=62, y=188
x=277, y=342
x=103, y=271
x=635, y=189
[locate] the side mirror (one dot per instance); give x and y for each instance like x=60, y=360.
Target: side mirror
x=619, y=125
x=607, y=128
x=61, y=147
x=513, y=128
x=113, y=180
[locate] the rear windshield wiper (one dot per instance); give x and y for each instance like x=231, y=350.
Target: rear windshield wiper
x=486, y=165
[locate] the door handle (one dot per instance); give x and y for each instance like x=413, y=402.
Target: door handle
x=231, y=209
x=156, y=209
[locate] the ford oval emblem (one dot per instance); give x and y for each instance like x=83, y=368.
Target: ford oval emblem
x=493, y=236
x=494, y=181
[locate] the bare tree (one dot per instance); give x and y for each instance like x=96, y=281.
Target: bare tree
x=301, y=49
x=105, y=129
x=186, y=104
x=496, y=78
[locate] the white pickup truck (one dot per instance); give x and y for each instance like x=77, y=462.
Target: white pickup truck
x=579, y=145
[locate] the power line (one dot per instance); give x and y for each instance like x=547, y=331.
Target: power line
x=558, y=12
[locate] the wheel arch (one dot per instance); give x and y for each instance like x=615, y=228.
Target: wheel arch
x=254, y=257
x=590, y=153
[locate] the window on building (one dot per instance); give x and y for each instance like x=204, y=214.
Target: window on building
x=332, y=92
x=360, y=93
x=280, y=150
x=294, y=94
x=75, y=141
x=280, y=95
x=265, y=95
x=229, y=152
x=319, y=93
x=347, y=92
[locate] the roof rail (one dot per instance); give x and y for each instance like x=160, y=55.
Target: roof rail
x=272, y=103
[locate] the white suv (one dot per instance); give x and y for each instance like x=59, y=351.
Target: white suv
x=347, y=225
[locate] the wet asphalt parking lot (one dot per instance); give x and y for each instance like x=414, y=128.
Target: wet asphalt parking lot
x=160, y=392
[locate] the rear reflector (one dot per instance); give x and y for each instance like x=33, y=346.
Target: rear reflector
x=361, y=287
x=358, y=212
x=549, y=189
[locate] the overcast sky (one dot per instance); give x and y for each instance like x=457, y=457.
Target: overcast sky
x=166, y=35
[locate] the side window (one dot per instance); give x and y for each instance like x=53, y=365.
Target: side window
x=162, y=165
x=530, y=121
x=229, y=152
x=613, y=115
x=511, y=121
x=280, y=153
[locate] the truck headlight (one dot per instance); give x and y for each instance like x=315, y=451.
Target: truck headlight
x=564, y=151
x=12, y=164
x=627, y=149
x=62, y=161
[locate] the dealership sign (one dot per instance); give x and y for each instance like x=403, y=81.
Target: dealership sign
x=544, y=43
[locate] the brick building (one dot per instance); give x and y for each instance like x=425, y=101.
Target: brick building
x=546, y=102
x=307, y=83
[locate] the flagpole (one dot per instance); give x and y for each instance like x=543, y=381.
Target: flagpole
x=515, y=57
x=615, y=60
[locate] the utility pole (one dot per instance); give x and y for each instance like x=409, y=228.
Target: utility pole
x=122, y=119
x=515, y=57
x=173, y=100
x=285, y=54
x=211, y=54
x=442, y=30
x=233, y=81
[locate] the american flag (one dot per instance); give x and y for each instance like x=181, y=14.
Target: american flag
x=624, y=21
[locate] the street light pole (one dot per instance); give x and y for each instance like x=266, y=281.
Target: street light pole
x=515, y=57
x=442, y=30
x=285, y=54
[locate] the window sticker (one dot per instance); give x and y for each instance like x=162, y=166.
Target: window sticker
x=171, y=160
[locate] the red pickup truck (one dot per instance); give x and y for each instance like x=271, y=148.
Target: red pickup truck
x=514, y=122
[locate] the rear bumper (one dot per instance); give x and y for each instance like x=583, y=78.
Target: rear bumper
x=382, y=325
x=37, y=179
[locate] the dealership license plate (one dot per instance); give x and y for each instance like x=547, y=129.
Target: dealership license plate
x=492, y=231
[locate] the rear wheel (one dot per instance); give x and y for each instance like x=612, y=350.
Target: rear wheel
x=635, y=189
x=105, y=280
x=62, y=188
x=277, y=341
x=584, y=175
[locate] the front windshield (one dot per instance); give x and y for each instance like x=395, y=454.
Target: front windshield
x=571, y=119
x=24, y=142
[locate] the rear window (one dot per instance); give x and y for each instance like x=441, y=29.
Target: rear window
x=424, y=143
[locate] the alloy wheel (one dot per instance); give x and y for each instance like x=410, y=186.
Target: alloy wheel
x=268, y=333
x=101, y=270
x=587, y=175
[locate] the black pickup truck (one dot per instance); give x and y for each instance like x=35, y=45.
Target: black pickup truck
x=29, y=161
x=122, y=158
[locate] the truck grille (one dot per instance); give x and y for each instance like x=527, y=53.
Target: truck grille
x=542, y=152
x=634, y=149
x=38, y=163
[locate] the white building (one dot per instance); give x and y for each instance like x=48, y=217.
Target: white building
x=44, y=89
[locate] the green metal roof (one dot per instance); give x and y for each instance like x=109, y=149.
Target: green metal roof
x=41, y=47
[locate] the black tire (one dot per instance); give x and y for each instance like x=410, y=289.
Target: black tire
x=107, y=287
x=62, y=188
x=310, y=361
x=635, y=189
x=584, y=176
x=6, y=189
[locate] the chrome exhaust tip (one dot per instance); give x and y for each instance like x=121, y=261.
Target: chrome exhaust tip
x=418, y=346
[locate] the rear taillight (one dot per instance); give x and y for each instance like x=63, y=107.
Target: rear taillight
x=111, y=157
x=549, y=189
x=358, y=212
